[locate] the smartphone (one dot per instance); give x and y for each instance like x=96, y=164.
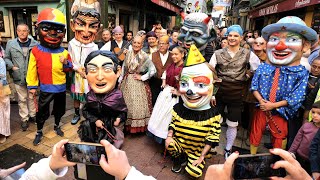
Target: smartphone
x=257, y=166
x=86, y=153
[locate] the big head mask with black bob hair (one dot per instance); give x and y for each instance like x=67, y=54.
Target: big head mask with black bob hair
x=103, y=70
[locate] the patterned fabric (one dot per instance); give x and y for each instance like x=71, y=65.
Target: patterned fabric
x=78, y=53
x=137, y=96
x=195, y=134
x=77, y=96
x=192, y=130
x=5, y=116
x=274, y=87
x=292, y=85
x=177, y=149
x=136, y=93
x=45, y=66
x=292, y=24
x=4, y=103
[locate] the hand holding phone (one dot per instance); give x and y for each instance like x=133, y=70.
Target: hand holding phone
x=257, y=166
x=58, y=160
x=87, y=153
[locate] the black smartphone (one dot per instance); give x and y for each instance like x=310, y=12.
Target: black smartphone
x=257, y=166
x=82, y=152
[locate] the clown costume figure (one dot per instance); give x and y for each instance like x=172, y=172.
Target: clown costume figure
x=195, y=127
x=85, y=24
x=105, y=106
x=47, y=68
x=280, y=86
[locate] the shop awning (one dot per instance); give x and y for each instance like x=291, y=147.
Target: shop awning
x=168, y=5
x=283, y=6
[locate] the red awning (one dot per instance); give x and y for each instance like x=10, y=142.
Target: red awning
x=168, y=5
x=281, y=7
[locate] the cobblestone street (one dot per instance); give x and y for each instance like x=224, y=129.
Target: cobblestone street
x=143, y=152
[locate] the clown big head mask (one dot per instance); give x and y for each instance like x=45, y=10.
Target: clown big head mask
x=196, y=29
x=196, y=81
x=85, y=24
x=287, y=40
x=51, y=27
x=102, y=71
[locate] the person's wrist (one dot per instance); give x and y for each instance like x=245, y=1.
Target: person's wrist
x=125, y=172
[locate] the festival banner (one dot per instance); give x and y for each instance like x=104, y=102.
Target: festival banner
x=222, y=2
x=196, y=6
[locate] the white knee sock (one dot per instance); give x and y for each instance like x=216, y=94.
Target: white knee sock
x=231, y=136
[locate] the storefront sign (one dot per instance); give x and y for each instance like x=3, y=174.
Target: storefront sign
x=268, y=10
x=300, y=3
x=286, y=5
x=167, y=5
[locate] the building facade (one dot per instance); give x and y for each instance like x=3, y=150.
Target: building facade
x=133, y=14
x=264, y=12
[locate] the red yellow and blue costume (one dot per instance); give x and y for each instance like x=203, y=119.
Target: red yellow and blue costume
x=48, y=64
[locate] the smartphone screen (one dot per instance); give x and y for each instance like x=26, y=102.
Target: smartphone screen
x=257, y=166
x=87, y=153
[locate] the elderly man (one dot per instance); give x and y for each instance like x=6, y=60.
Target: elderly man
x=234, y=66
x=161, y=60
x=17, y=57
x=105, y=44
x=280, y=85
x=152, y=44
x=196, y=29
x=259, y=48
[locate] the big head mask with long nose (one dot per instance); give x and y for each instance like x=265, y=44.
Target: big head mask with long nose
x=85, y=24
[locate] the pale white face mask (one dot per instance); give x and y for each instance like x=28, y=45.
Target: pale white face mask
x=196, y=86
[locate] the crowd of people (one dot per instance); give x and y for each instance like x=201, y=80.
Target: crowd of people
x=177, y=86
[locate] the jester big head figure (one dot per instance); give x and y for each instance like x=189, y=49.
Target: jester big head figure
x=196, y=81
x=85, y=24
x=287, y=40
x=51, y=27
x=197, y=29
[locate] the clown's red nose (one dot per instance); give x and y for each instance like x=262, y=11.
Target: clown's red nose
x=281, y=46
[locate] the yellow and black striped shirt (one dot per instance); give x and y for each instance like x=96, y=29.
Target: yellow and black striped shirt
x=195, y=129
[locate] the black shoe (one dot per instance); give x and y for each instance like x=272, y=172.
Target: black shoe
x=24, y=125
x=13, y=102
x=37, y=139
x=32, y=119
x=75, y=119
x=58, y=131
x=177, y=165
x=268, y=145
x=227, y=153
